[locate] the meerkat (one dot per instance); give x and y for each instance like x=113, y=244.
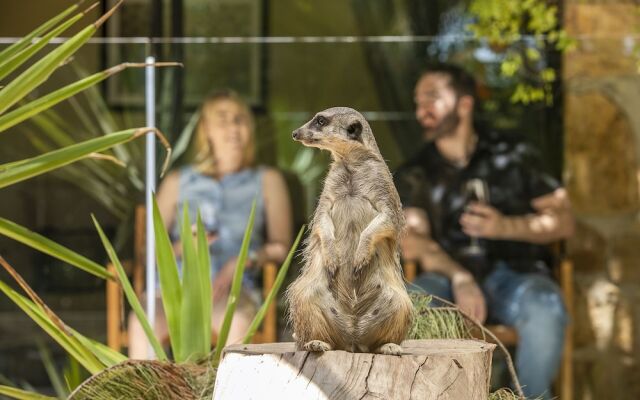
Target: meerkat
x=351, y=295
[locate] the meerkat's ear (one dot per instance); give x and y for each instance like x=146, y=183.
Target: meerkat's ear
x=354, y=131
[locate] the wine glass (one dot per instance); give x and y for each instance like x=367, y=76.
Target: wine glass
x=208, y=214
x=475, y=190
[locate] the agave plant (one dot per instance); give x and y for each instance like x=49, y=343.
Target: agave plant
x=186, y=300
x=117, y=189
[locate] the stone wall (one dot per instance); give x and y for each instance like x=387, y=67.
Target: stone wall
x=602, y=151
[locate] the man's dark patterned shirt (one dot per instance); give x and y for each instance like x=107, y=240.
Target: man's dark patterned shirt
x=509, y=166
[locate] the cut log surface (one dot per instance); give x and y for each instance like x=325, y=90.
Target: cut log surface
x=428, y=369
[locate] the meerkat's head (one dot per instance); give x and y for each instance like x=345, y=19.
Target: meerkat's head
x=337, y=129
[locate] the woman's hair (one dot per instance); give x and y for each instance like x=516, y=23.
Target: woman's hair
x=204, y=160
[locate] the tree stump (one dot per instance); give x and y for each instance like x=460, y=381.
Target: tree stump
x=428, y=369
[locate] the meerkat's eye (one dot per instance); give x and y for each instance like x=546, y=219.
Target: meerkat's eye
x=322, y=121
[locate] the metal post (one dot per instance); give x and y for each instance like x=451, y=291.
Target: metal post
x=150, y=103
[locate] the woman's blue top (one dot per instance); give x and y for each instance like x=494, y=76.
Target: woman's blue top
x=224, y=206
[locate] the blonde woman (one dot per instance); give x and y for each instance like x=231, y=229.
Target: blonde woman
x=222, y=182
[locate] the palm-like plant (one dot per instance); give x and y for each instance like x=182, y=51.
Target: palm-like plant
x=187, y=300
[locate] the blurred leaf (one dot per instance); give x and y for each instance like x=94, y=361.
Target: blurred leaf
x=182, y=144
x=68, y=342
x=52, y=372
x=45, y=102
x=25, y=41
x=236, y=287
x=8, y=65
x=282, y=273
x=204, y=277
x=532, y=54
x=549, y=75
x=25, y=169
x=73, y=375
x=108, y=356
x=47, y=246
x=130, y=294
x=169, y=279
x=192, y=345
x=22, y=394
x=40, y=71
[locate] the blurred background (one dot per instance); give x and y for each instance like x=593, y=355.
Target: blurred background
x=573, y=90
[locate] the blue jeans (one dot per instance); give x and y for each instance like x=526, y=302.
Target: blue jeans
x=533, y=305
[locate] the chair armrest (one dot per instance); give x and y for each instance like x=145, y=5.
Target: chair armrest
x=410, y=270
x=269, y=325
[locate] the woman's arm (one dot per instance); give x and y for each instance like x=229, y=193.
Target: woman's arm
x=278, y=217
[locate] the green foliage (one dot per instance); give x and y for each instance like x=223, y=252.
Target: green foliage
x=236, y=286
x=52, y=372
x=149, y=380
x=436, y=322
x=41, y=243
x=282, y=273
x=22, y=394
x=11, y=64
x=66, y=339
x=73, y=375
x=26, y=169
x=130, y=294
x=25, y=42
x=503, y=394
x=504, y=25
x=195, y=311
x=169, y=279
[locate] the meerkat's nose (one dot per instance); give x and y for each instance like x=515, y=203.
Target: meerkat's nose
x=296, y=134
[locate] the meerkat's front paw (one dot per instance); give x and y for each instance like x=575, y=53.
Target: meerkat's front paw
x=360, y=261
x=332, y=265
x=317, y=345
x=391, y=349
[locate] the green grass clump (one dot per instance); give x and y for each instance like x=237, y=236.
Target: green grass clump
x=436, y=322
x=149, y=380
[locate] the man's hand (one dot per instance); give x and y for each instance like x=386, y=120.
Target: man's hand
x=484, y=221
x=222, y=282
x=468, y=296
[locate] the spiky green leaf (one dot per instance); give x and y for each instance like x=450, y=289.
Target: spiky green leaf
x=20, y=394
x=130, y=293
x=11, y=64
x=282, y=273
x=24, y=42
x=47, y=246
x=236, y=287
x=25, y=169
x=204, y=276
x=169, y=279
x=191, y=315
x=68, y=342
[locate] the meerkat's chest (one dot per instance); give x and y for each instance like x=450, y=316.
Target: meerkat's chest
x=343, y=182
x=350, y=196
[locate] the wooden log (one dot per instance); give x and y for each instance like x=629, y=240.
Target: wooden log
x=428, y=369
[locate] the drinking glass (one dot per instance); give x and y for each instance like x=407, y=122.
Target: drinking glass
x=475, y=190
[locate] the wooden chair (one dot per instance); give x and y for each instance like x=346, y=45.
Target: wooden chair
x=509, y=337
x=116, y=318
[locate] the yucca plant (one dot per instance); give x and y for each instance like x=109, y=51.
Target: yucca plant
x=186, y=300
x=117, y=189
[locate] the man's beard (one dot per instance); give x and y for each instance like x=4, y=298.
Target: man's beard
x=446, y=127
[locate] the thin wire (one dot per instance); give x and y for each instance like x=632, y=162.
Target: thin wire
x=306, y=39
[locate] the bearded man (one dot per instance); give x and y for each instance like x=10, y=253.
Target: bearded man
x=479, y=213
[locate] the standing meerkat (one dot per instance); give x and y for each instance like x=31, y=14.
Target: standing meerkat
x=350, y=294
